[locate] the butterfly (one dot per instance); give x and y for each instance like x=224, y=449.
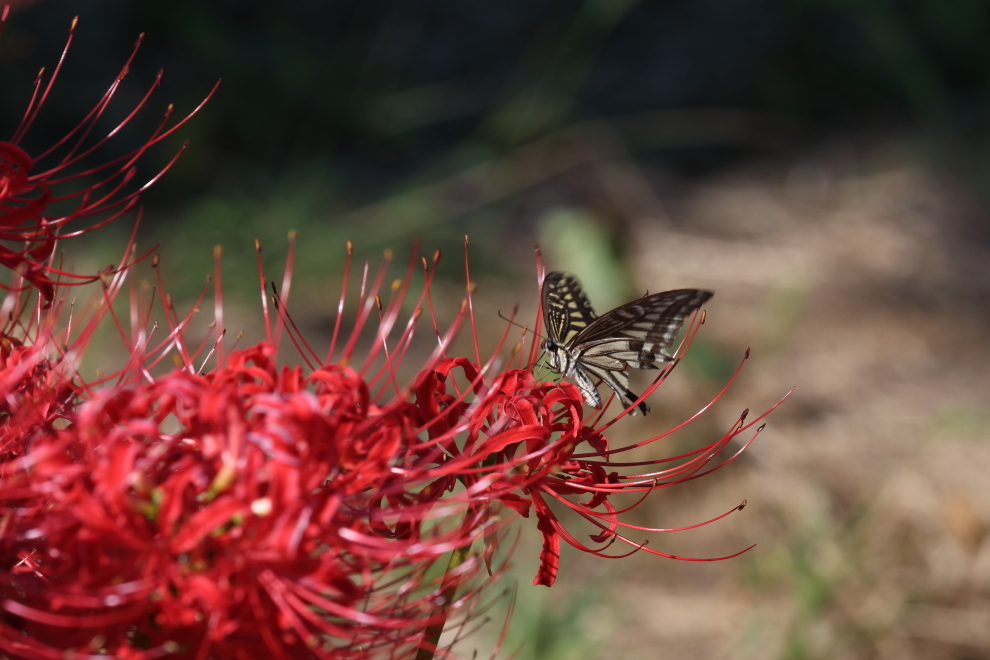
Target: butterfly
x=636, y=335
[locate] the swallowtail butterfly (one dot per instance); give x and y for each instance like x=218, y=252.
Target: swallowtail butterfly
x=636, y=335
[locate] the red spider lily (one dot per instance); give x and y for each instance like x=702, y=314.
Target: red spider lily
x=101, y=193
x=249, y=510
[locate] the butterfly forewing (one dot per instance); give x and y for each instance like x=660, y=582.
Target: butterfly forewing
x=648, y=325
x=633, y=336
x=565, y=307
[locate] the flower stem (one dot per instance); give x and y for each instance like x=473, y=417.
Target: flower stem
x=431, y=637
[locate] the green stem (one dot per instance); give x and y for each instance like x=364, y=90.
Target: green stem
x=431, y=638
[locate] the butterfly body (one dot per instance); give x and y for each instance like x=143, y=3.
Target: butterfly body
x=582, y=345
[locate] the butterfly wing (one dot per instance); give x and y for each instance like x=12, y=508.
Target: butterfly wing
x=640, y=331
x=634, y=336
x=566, y=310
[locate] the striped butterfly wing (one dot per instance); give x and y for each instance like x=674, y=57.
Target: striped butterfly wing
x=646, y=327
x=566, y=309
x=633, y=336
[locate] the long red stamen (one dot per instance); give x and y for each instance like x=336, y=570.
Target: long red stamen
x=29, y=118
x=220, y=328
x=340, y=305
x=290, y=260
x=262, y=285
x=470, y=290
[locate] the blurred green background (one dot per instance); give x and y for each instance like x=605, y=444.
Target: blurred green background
x=439, y=118
x=822, y=165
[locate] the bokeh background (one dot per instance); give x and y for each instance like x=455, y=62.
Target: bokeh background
x=821, y=165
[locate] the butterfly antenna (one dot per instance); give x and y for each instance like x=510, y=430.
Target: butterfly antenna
x=524, y=327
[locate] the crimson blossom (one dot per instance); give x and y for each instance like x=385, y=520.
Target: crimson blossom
x=238, y=509
x=41, y=195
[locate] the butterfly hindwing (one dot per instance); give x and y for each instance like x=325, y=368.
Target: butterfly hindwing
x=633, y=336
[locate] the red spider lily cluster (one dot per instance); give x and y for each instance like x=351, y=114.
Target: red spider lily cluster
x=208, y=501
